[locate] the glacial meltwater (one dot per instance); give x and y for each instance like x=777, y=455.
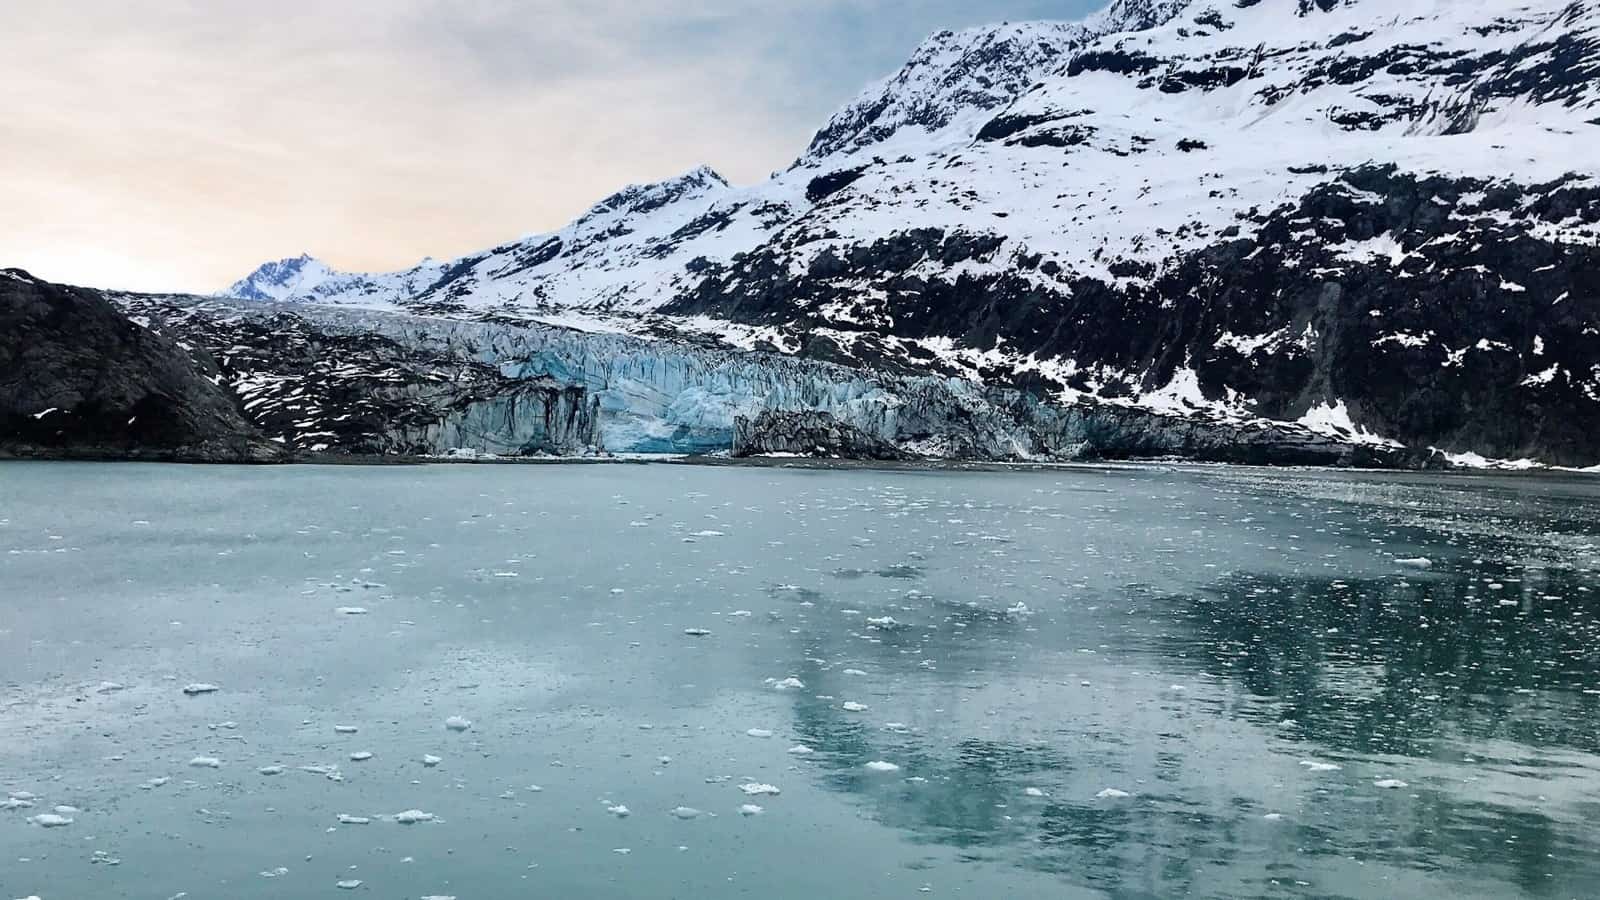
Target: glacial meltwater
x=671, y=681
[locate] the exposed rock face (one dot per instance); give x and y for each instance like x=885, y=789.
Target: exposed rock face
x=1440, y=312
x=78, y=379
x=808, y=433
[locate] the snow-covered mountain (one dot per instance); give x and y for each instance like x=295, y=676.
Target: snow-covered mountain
x=1379, y=218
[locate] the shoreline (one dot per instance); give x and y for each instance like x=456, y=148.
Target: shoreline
x=793, y=462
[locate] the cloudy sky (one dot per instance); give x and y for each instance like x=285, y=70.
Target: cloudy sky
x=175, y=144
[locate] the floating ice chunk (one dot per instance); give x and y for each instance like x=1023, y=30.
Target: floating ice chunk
x=351, y=610
x=200, y=687
x=1390, y=783
x=271, y=770
x=344, y=729
x=789, y=684
x=619, y=810
x=708, y=533
x=750, y=809
x=697, y=632
x=429, y=760
x=155, y=782
x=1415, y=562
x=1315, y=766
x=686, y=812
x=354, y=820
x=1112, y=794
x=16, y=803
x=348, y=884
x=65, y=810
x=854, y=672
x=360, y=756
x=882, y=622
x=457, y=723
x=881, y=766
x=852, y=706
x=1034, y=792
x=1273, y=817
x=206, y=762
x=801, y=750
x=740, y=614
x=23, y=795
x=279, y=872
x=110, y=687
x=759, y=733
x=413, y=817
x=756, y=789
x=51, y=820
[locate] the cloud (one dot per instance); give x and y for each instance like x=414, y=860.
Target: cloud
x=175, y=144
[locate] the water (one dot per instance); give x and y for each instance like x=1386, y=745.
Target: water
x=1121, y=683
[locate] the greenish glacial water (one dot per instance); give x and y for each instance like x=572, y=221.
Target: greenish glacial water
x=667, y=681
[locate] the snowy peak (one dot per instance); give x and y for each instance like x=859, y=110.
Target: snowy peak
x=640, y=199
x=951, y=76
x=281, y=279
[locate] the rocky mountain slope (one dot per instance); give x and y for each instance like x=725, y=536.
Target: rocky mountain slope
x=77, y=378
x=1374, y=220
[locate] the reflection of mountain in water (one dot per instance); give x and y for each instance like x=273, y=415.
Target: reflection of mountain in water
x=1469, y=682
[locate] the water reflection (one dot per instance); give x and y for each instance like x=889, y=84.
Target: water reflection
x=1333, y=736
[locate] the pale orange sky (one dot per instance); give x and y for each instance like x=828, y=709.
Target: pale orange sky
x=175, y=145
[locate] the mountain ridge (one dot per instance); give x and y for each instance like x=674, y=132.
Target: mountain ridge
x=1081, y=210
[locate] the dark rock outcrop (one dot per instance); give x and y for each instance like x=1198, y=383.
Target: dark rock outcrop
x=808, y=433
x=78, y=378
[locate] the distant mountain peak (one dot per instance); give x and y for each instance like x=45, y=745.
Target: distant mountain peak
x=281, y=279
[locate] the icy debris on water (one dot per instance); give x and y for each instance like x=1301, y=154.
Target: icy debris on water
x=348, y=884
x=354, y=820
x=788, y=684
x=801, y=750
x=351, y=610
x=200, y=687
x=360, y=756
x=1112, y=794
x=1390, y=783
x=457, y=723
x=686, y=812
x=758, y=733
x=852, y=706
x=51, y=820
x=344, y=729
x=429, y=760
x=1315, y=766
x=756, y=789
x=881, y=766
x=1415, y=562
x=697, y=632
x=414, y=817
x=206, y=762
x=619, y=810
x=751, y=809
